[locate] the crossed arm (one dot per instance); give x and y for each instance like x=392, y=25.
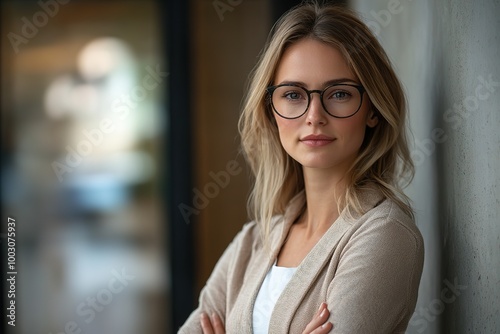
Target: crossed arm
x=318, y=325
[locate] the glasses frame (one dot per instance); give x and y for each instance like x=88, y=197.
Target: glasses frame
x=270, y=90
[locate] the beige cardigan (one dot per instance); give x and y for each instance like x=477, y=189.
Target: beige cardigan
x=367, y=269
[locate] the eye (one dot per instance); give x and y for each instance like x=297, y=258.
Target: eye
x=340, y=95
x=292, y=95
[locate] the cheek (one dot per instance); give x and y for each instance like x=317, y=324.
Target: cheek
x=358, y=123
x=285, y=128
x=352, y=130
x=287, y=131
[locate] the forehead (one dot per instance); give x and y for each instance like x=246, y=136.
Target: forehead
x=313, y=63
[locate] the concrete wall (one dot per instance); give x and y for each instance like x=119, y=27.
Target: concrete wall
x=447, y=55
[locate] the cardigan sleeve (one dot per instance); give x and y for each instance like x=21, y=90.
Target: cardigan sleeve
x=213, y=296
x=375, y=287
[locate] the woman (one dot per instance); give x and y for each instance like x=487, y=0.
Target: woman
x=333, y=247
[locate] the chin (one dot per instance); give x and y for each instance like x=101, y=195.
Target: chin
x=317, y=164
x=333, y=163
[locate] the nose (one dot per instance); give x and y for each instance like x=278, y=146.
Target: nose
x=315, y=113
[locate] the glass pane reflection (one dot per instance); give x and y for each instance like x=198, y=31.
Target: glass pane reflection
x=84, y=100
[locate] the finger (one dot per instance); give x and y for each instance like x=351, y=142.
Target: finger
x=318, y=320
x=206, y=325
x=321, y=323
x=323, y=329
x=217, y=324
x=321, y=307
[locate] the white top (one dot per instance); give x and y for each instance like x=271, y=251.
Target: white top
x=275, y=282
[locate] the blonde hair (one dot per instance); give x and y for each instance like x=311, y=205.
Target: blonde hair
x=384, y=158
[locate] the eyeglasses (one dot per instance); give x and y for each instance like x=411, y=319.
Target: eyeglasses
x=291, y=101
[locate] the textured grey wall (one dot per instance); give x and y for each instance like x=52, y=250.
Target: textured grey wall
x=447, y=54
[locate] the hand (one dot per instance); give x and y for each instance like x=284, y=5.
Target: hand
x=319, y=324
x=211, y=325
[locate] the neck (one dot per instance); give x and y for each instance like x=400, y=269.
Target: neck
x=323, y=190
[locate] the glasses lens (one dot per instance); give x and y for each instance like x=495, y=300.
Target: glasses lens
x=290, y=101
x=342, y=100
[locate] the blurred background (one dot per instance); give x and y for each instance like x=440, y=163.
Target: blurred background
x=121, y=163
x=84, y=126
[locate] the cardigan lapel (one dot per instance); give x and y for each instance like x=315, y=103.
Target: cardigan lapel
x=261, y=263
x=293, y=294
x=243, y=309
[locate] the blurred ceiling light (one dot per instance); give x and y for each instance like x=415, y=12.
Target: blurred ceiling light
x=103, y=56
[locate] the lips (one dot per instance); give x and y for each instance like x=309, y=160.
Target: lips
x=317, y=140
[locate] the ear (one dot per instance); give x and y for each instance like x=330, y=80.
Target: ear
x=372, y=119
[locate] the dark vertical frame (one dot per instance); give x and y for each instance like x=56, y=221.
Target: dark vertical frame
x=179, y=159
x=6, y=136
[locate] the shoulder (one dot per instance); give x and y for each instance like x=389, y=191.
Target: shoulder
x=389, y=215
x=388, y=224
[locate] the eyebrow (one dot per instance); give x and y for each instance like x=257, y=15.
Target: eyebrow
x=327, y=83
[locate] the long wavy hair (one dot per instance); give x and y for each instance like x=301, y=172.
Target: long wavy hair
x=383, y=161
